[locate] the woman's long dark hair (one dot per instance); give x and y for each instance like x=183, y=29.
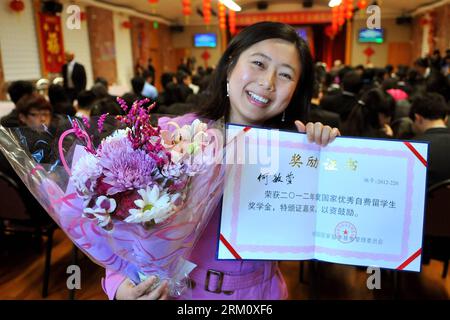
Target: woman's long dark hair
x=218, y=104
x=363, y=120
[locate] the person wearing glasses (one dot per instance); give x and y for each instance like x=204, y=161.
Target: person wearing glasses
x=34, y=111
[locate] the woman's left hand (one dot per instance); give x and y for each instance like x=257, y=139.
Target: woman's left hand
x=317, y=132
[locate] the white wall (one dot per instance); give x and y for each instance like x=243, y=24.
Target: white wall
x=18, y=43
x=124, y=58
x=77, y=41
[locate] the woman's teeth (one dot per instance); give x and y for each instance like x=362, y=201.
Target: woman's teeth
x=258, y=98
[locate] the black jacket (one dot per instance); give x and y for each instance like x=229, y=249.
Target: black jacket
x=439, y=149
x=341, y=103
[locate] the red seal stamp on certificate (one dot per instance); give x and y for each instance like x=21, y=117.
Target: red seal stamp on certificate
x=345, y=232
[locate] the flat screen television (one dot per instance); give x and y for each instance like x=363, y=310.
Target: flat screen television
x=371, y=35
x=205, y=40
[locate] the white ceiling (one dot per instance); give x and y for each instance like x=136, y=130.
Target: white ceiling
x=171, y=9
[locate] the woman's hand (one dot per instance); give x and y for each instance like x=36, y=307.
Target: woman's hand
x=149, y=289
x=317, y=132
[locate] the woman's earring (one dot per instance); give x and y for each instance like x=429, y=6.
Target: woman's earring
x=228, y=89
x=283, y=117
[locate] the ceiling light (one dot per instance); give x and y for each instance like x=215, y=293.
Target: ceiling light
x=230, y=4
x=334, y=3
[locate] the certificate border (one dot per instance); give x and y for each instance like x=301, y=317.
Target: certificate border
x=346, y=253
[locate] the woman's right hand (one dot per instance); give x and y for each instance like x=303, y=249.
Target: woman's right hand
x=146, y=290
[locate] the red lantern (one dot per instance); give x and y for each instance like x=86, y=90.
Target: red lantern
x=349, y=9
x=17, y=5
x=232, y=21
x=153, y=1
x=362, y=4
x=334, y=19
x=186, y=7
x=341, y=15
x=126, y=25
x=207, y=11
x=222, y=16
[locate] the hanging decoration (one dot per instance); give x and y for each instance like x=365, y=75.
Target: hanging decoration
x=232, y=21
x=186, y=10
x=17, y=5
x=126, y=24
x=349, y=9
x=205, y=56
x=329, y=31
x=368, y=52
x=207, y=12
x=334, y=20
x=153, y=5
x=361, y=4
x=341, y=15
x=222, y=16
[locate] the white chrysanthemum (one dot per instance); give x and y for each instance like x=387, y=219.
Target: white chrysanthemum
x=118, y=135
x=85, y=173
x=152, y=206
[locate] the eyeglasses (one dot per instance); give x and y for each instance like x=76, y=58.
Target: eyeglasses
x=44, y=114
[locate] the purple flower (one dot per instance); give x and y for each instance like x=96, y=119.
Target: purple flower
x=128, y=171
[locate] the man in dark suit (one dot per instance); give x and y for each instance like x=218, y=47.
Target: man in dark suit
x=74, y=76
x=430, y=113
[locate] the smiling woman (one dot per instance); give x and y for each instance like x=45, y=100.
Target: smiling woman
x=267, y=72
x=265, y=77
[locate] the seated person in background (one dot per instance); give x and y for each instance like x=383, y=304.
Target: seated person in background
x=60, y=101
x=34, y=112
x=35, y=116
x=149, y=90
x=370, y=117
x=343, y=101
x=137, y=84
x=98, y=91
x=430, y=113
x=171, y=93
x=85, y=102
x=317, y=114
x=105, y=105
x=16, y=90
x=184, y=80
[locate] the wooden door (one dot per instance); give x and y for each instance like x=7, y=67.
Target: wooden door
x=399, y=53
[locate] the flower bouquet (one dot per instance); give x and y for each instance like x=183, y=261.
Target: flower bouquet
x=135, y=203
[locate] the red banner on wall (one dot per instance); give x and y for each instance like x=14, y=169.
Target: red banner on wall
x=52, y=46
x=311, y=17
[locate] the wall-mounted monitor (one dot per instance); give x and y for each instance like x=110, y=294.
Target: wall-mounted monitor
x=205, y=40
x=371, y=35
